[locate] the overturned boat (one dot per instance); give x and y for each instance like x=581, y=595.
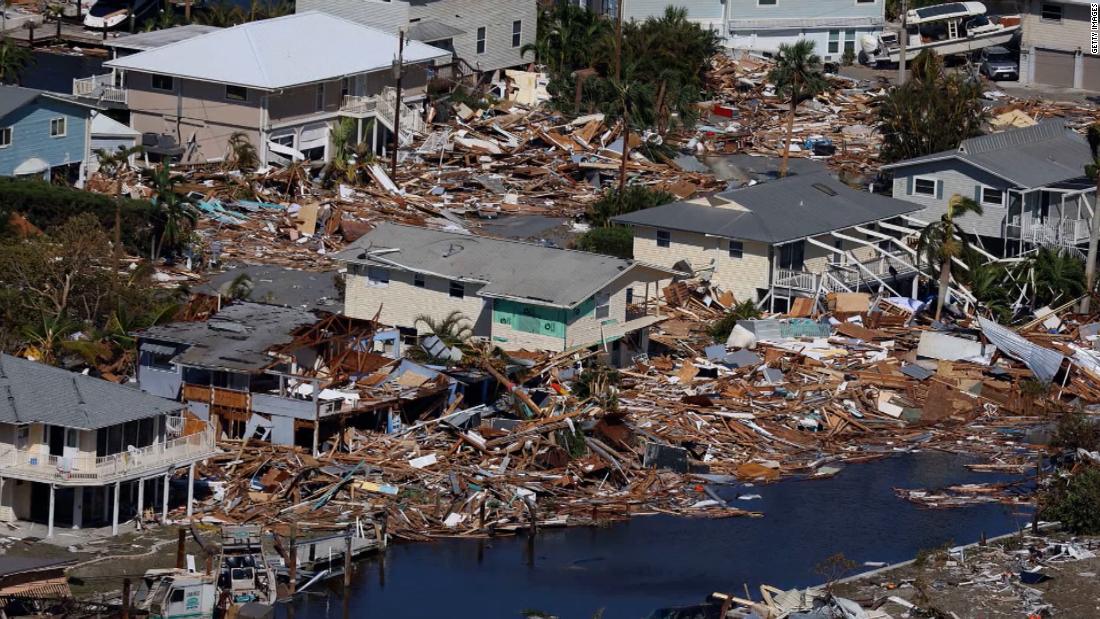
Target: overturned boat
x=947, y=29
x=108, y=14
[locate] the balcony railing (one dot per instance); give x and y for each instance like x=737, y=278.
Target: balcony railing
x=357, y=104
x=849, y=275
x=1064, y=233
x=100, y=88
x=89, y=469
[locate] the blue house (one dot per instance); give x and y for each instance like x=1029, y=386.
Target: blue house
x=42, y=134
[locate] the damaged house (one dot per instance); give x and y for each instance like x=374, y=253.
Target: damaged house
x=519, y=295
x=287, y=375
x=93, y=453
x=284, y=83
x=792, y=237
x=1030, y=183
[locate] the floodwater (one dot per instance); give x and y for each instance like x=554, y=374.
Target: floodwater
x=633, y=568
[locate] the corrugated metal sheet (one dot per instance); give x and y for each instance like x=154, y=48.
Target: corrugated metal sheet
x=1043, y=362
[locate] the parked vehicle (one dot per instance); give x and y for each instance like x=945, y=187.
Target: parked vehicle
x=947, y=29
x=998, y=63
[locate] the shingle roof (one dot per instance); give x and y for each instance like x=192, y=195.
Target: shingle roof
x=14, y=97
x=237, y=338
x=510, y=269
x=432, y=31
x=282, y=52
x=159, y=38
x=1035, y=156
x=32, y=392
x=12, y=565
x=779, y=211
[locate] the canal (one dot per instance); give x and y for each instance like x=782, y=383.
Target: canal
x=630, y=569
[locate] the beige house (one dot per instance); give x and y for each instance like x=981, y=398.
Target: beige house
x=519, y=295
x=80, y=451
x=283, y=82
x=1058, y=48
x=781, y=239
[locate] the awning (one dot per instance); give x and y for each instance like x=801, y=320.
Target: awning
x=432, y=31
x=34, y=165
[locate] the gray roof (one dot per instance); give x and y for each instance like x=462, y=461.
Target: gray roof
x=12, y=565
x=509, y=269
x=14, y=97
x=280, y=286
x=787, y=23
x=32, y=392
x=1036, y=156
x=159, y=38
x=787, y=209
x=430, y=30
x=237, y=338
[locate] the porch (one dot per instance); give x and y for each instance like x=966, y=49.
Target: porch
x=1058, y=215
x=847, y=276
x=100, y=88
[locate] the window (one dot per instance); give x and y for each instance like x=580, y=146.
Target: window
x=72, y=437
x=736, y=249
x=163, y=82
x=5, y=137
x=481, y=40
x=664, y=238
x=177, y=596
x=849, y=41
x=767, y=2
x=1050, y=12
x=924, y=186
x=22, y=437
x=629, y=296
x=517, y=33
x=992, y=196
x=57, y=127
x=377, y=277
x=866, y=1
x=603, y=305
x=834, y=257
x=834, y=41
x=792, y=255
x=418, y=280
x=236, y=93
x=319, y=97
x=458, y=290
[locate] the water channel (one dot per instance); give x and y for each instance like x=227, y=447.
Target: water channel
x=632, y=568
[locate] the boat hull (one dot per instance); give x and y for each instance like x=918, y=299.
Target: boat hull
x=954, y=46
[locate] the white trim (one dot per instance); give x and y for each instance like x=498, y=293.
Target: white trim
x=481, y=43
x=11, y=136
x=981, y=196
x=153, y=82
x=770, y=3
x=517, y=43
x=933, y=180
x=64, y=127
x=242, y=99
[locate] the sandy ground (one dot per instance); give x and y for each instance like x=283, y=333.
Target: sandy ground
x=984, y=582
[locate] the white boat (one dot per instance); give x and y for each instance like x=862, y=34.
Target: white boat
x=115, y=13
x=947, y=29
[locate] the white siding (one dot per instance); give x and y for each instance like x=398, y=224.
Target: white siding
x=741, y=276
x=388, y=16
x=401, y=301
x=960, y=178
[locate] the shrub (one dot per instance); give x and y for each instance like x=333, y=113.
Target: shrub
x=635, y=198
x=617, y=241
x=721, y=328
x=1075, y=501
x=48, y=206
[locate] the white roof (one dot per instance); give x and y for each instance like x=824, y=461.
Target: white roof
x=104, y=125
x=282, y=52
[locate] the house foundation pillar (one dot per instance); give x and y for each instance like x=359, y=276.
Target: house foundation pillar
x=114, y=512
x=49, y=521
x=190, y=489
x=164, y=500
x=78, y=507
x=140, y=501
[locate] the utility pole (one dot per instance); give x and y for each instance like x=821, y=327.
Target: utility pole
x=398, y=70
x=1094, y=237
x=619, y=39
x=904, y=39
x=623, y=95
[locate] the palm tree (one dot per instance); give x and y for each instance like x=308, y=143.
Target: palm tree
x=111, y=163
x=44, y=339
x=631, y=105
x=942, y=241
x=242, y=154
x=223, y=15
x=240, y=289
x=13, y=61
x=987, y=282
x=797, y=75
x=1093, y=172
x=1056, y=275
x=454, y=329
x=176, y=210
